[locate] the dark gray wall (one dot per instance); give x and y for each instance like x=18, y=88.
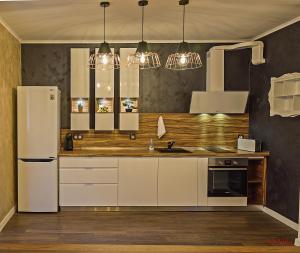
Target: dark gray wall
x=281, y=136
x=161, y=90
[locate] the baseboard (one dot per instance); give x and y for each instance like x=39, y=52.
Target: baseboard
x=7, y=218
x=281, y=218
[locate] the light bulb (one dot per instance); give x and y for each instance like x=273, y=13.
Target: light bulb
x=142, y=59
x=104, y=59
x=183, y=59
x=80, y=102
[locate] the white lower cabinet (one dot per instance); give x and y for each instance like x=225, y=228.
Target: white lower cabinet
x=133, y=181
x=177, y=182
x=137, y=182
x=88, y=181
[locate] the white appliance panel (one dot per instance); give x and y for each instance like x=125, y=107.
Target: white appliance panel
x=38, y=122
x=37, y=186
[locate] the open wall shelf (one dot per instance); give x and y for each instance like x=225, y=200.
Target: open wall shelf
x=79, y=105
x=284, y=95
x=256, y=182
x=129, y=105
x=104, y=105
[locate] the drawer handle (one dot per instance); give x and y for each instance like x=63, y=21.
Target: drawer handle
x=88, y=184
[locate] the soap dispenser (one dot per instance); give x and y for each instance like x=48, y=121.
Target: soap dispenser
x=151, y=145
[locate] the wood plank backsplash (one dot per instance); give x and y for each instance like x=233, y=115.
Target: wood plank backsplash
x=185, y=129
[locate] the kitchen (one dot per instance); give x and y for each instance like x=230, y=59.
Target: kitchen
x=90, y=142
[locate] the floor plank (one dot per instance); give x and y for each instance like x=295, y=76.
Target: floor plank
x=149, y=228
x=77, y=248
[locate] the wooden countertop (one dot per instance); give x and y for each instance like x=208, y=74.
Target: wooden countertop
x=143, y=152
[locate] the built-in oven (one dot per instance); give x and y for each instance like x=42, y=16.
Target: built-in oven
x=227, y=181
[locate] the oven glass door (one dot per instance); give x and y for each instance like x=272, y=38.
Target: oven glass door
x=227, y=182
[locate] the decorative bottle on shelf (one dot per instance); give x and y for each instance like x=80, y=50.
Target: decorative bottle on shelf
x=151, y=145
x=80, y=105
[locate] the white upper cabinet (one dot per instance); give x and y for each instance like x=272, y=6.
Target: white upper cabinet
x=80, y=89
x=80, y=73
x=129, y=92
x=104, y=82
x=104, y=99
x=129, y=75
x=177, y=182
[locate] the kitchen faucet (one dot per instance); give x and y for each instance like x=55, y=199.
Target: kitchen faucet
x=170, y=144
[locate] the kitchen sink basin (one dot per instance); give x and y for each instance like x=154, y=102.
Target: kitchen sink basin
x=172, y=150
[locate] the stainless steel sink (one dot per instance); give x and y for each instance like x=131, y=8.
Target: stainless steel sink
x=172, y=150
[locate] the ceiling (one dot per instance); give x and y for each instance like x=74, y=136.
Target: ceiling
x=81, y=20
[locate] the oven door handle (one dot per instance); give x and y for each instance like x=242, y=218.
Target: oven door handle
x=227, y=169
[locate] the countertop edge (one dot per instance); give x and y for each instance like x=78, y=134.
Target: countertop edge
x=146, y=153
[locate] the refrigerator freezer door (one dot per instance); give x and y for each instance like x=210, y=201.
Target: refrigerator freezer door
x=37, y=186
x=38, y=121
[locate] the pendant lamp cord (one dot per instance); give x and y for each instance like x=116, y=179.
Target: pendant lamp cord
x=104, y=29
x=142, y=23
x=183, y=22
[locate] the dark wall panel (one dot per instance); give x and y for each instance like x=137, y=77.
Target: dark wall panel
x=280, y=135
x=237, y=70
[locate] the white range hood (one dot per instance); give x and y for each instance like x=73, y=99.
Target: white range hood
x=215, y=99
x=218, y=102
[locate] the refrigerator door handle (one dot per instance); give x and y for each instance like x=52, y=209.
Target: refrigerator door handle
x=47, y=160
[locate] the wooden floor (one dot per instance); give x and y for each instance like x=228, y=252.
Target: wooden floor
x=141, y=232
x=77, y=248
x=149, y=228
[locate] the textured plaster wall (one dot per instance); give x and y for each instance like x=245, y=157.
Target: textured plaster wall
x=281, y=136
x=10, y=78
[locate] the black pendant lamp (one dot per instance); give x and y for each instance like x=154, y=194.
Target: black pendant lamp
x=104, y=59
x=143, y=57
x=184, y=58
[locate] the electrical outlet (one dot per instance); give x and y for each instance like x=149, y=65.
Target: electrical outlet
x=132, y=136
x=78, y=136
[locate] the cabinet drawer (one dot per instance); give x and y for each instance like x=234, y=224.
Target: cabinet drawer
x=87, y=162
x=88, y=175
x=88, y=194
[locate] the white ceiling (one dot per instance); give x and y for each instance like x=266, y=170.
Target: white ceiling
x=81, y=20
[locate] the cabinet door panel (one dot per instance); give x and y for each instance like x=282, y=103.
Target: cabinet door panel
x=137, y=182
x=80, y=73
x=104, y=82
x=104, y=122
x=177, y=182
x=129, y=75
x=80, y=121
x=129, y=121
x=202, y=181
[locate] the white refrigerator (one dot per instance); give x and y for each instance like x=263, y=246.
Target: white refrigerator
x=38, y=145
